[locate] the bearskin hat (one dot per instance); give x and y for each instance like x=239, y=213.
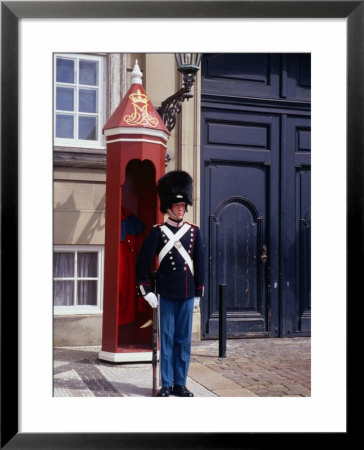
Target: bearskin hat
x=174, y=187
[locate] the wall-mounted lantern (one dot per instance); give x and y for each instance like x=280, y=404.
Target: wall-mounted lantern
x=188, y=64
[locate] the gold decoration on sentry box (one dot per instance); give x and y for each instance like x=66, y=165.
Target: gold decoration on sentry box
x=140, y=116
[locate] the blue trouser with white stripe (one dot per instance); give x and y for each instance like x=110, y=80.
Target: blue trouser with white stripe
x=175, y=340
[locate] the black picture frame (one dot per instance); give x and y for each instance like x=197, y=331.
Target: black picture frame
x=11, y=12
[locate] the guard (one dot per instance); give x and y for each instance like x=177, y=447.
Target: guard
x=180, y=284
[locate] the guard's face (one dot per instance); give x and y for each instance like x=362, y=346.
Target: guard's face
x=179, y=209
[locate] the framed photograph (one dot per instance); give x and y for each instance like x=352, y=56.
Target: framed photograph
x=31, y=32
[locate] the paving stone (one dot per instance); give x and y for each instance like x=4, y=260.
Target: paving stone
x=215, y=382
x=69, y=384
x=234, y=393
x=260, y=367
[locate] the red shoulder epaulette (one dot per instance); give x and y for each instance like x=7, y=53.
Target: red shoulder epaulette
x=192, y=224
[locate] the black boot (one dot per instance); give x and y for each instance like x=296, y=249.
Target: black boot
x=165, y=391
x=181, y=391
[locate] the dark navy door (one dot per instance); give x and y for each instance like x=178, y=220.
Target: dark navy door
x=240, y=185
x=296, y=227
x=255, y=193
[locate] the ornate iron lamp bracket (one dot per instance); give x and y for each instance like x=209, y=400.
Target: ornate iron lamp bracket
x=172, y=106
x=188, y=64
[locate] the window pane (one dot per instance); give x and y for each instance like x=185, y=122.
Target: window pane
x=63, y=293
x=88, y=100
x=89, y=73
x=87, y=128
x=63, y=265
x=65, y=70
x=87, y=264
x=64, y=126
x=87, y=293
x=64, y=99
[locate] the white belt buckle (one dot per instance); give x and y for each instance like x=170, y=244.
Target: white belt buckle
x=178, y=244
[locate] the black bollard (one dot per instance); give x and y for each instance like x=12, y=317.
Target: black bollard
x=222, y=321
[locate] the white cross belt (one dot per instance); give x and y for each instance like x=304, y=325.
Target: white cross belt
x=174, y=241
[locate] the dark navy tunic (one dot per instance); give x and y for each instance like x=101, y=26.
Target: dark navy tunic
x=174, y=277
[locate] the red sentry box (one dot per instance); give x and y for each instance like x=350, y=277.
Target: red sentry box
x=136, y=140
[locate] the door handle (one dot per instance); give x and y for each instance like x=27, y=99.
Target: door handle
x=264, y=255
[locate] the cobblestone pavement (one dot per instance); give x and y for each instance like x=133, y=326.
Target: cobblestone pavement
x=265, y=367
x=78, y=372
x=252, y=367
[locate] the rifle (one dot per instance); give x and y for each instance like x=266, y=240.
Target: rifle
x=155, y=336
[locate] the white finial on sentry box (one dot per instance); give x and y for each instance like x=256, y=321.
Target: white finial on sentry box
x=136, y=75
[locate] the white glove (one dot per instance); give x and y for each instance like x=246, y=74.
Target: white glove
x=196, y=302
x=151, y=298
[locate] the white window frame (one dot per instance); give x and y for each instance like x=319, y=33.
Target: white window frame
x=81, y=143
x=82, y=309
